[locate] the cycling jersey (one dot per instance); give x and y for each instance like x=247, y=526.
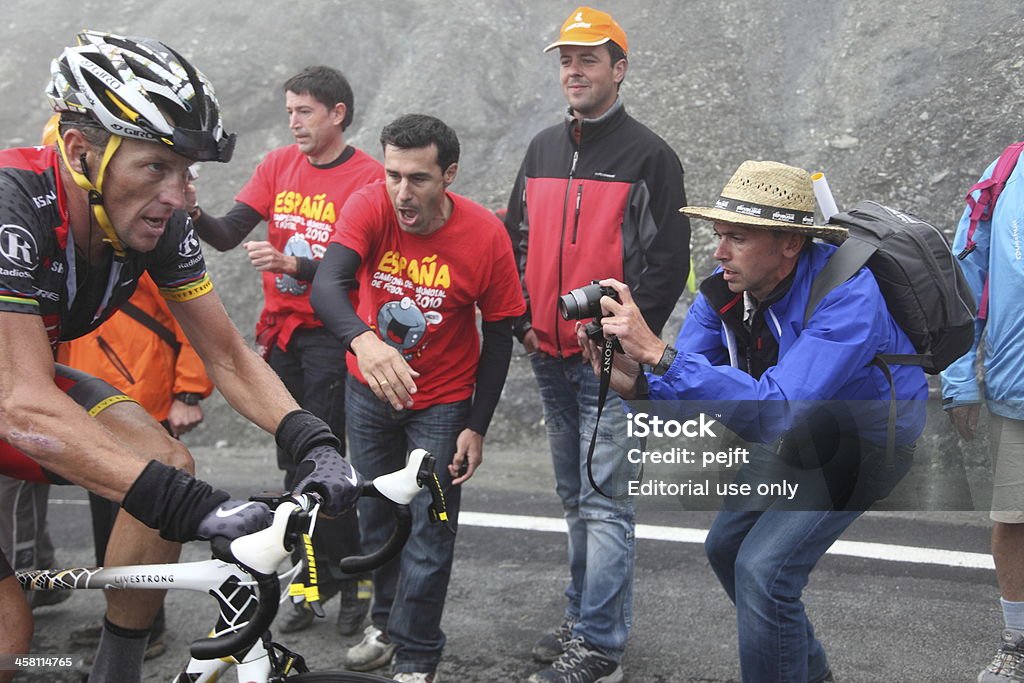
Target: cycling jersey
x=40, y=273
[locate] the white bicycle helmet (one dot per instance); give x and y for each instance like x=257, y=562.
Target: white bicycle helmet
x=142, y=89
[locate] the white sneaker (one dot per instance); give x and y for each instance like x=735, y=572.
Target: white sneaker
x=372, y=652
x=407, y=677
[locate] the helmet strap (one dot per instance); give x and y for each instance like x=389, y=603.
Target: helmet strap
x=96, y=191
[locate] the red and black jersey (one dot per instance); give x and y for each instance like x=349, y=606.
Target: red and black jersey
x=596, y=202
x=40, y=273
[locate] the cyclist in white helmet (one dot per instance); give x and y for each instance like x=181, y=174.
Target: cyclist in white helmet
x=79, y=223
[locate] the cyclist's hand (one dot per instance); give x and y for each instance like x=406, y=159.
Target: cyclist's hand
x=234, y=518
x=324, y=470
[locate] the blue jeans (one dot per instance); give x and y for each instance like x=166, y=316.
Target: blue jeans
x=410, y=591
x=313, y=370
x=602, y=541
x=763, y=550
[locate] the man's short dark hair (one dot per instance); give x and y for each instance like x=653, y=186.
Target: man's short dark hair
x=414, y=131
x=617, y=54
x=327, y=86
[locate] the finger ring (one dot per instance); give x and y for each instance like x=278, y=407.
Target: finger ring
x=384, y=382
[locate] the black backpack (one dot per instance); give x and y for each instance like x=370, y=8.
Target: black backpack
x=920, y=279
x=922, y=283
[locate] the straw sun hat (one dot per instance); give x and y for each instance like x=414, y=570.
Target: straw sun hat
x=767, y=194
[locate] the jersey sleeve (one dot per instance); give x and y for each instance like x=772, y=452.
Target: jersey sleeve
x=177, y=265
x=24, y=243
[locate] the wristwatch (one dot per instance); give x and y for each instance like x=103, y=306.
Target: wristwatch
x=664, y=363
x=188, y=398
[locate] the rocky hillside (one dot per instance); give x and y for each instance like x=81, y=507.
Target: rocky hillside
x=905, y=102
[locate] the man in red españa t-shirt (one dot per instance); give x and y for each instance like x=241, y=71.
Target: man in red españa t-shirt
x=424, y=260
x=299, y=191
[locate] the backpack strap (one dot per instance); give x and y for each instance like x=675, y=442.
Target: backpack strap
x=890, y=428
x=989, y=190
x=152, y=324
x=850, y=257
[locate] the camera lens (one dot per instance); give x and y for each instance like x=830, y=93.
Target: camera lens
x=581, y=303
x=570, y=306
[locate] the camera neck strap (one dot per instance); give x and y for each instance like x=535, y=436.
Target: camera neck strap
x=607, y=356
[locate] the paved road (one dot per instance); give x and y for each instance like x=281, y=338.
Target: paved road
x=882, y=620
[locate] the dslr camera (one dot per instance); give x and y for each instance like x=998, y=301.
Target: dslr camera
x=583, y=303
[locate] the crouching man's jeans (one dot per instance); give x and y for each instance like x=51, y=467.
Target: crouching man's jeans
x=602, y=543
x=409, y=591
x=764, y=557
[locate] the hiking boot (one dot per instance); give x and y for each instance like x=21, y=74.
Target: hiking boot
x=300, y=616
x=372, y=652
x=355, y=603
x=1008, y=664
x=552, y=644
x=156, y=646
x=86, y=636
x=580, y=664
x=409, y=677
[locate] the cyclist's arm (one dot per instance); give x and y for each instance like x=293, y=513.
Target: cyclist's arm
x=39, y=419
x=245, y=380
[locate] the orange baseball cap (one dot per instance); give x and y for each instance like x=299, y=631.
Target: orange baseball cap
x=586, y=26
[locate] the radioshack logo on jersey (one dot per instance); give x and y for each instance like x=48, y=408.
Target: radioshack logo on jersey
x=189, y=246
x=18, y=246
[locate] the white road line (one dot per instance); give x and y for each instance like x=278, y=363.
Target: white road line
x=871, y=551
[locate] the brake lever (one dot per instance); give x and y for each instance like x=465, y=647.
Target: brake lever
x=310, y=590
x=427, y=477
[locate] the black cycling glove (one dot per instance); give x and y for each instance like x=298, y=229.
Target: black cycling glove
x=234, y=518
x=324, y=470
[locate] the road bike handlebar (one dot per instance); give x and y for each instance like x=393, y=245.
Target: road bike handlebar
x=261, y=553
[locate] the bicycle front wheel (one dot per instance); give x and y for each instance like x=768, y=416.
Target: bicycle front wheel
x=338, y=677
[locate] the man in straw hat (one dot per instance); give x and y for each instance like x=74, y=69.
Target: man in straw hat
x=746, y=350
x=596, y=197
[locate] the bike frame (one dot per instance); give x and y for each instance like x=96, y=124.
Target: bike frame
x=229, y=585
x=247, y=590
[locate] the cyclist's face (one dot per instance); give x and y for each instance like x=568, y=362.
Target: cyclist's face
x=316, y=128
x=144, y=183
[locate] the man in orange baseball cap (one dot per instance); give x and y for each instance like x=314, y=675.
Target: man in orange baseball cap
x=624, y=186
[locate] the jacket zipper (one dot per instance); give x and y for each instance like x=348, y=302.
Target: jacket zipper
x=576, y=218
x=561, y=241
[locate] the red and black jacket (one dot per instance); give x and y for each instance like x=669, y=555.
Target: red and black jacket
x=596, y=202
